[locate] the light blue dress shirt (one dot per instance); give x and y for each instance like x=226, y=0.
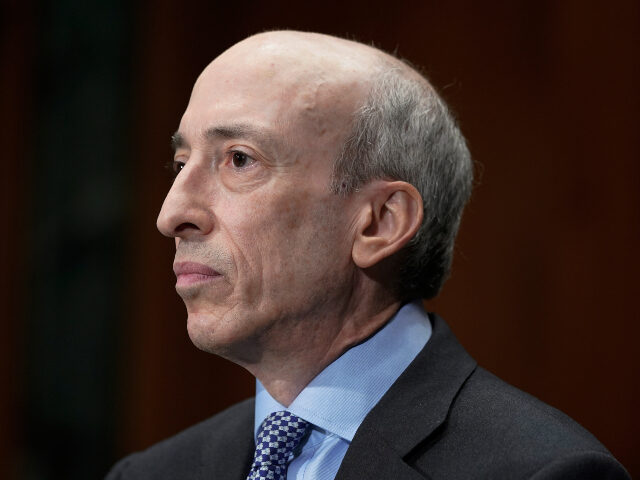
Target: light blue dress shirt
x=338, y=399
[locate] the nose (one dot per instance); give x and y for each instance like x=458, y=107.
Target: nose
x=186, y=211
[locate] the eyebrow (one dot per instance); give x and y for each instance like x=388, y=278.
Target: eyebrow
x=238, y=130
x=177, y=141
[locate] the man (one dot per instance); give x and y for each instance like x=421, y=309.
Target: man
x=319, y=187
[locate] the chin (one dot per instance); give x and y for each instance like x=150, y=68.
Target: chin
x=222, y=335
x=203, y=331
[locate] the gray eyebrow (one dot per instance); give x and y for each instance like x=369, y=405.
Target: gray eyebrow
x=239, y=130
x=177, y=141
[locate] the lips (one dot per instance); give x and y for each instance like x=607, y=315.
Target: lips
x=189, y=273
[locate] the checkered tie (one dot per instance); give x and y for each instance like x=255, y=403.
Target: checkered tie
x=278, y=437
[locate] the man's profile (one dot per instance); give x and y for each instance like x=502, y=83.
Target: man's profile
x=319, y=188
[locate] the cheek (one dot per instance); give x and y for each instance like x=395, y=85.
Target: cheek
x=308, y=237
x=287, y=240
x=256, y=231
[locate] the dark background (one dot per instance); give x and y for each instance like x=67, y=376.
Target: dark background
x=94, y=358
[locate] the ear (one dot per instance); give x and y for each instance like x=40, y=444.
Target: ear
x=390, y=217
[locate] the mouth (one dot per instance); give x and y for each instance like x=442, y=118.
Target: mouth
x=192, y=273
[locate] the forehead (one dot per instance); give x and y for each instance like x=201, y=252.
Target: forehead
x=303, y=96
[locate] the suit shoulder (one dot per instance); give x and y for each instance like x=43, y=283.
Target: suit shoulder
x=503, y=432
x=191, y=451
x=505, y=409
x=583, y=466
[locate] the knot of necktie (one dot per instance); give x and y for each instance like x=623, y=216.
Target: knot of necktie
x=278, y=436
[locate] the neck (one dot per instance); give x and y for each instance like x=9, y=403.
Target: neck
x=287, y=369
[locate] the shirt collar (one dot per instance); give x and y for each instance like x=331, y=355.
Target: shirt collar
x=340, y=397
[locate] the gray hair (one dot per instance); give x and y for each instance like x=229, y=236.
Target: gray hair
x=404, y=131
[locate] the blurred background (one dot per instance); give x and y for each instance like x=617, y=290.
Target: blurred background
x=95, y=361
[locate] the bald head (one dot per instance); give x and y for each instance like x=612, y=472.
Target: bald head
x=312, y=50
x=307, y=58
x=276, y=126
x=301, y=81
x=351, y=114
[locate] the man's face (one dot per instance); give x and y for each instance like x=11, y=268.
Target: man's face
x=262, y=245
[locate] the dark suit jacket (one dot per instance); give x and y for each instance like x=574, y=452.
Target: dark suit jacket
x=444, y=418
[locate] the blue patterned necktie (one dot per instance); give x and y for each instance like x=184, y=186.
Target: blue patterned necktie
x=279, y=435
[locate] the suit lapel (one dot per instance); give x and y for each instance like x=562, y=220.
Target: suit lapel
x=411, y=411
x=228, y=454
x=374, y=458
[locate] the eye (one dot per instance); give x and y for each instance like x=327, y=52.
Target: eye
x=241, y=159
x=177, y=166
